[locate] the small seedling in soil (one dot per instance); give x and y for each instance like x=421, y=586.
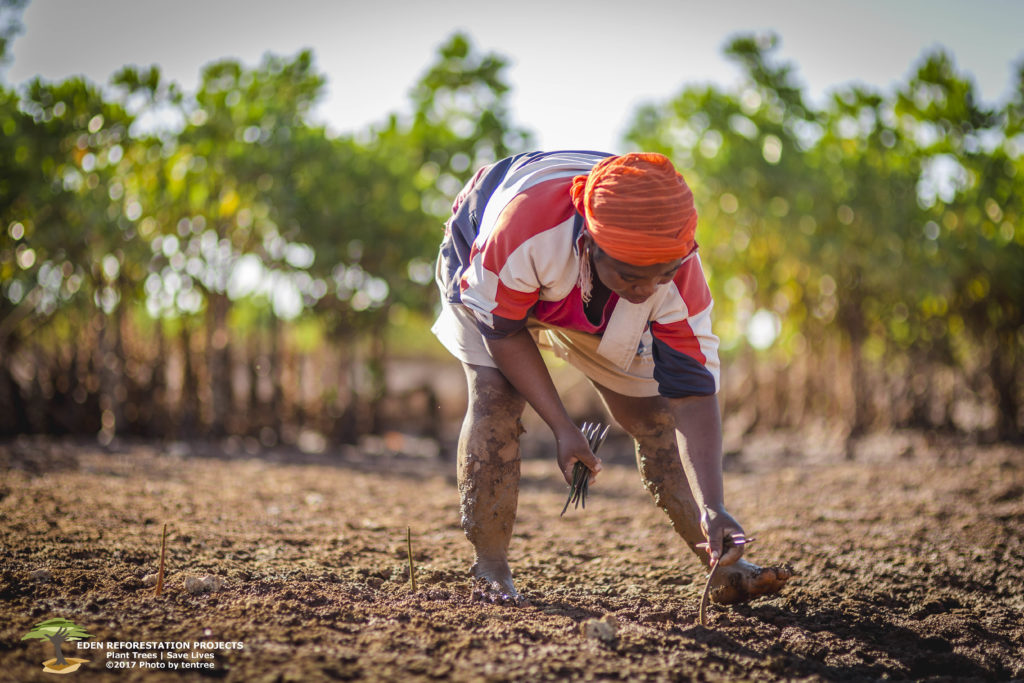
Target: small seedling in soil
x=412, y=570
x=163, y=557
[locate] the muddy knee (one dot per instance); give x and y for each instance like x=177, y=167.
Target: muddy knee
x=657, y=452
x=661, y=472
x=488, y=442
x=491, y=395
x=647, y=419
x=493, y=424
x=489, y=460
x=489, y=494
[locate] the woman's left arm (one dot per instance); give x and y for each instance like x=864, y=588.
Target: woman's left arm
x=699, y=436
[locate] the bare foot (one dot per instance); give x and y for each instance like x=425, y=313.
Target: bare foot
x=744, y=581
x=493, y=583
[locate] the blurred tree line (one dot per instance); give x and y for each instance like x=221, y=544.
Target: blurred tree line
x=182, y=264
x=877, y=242
x=211, y=263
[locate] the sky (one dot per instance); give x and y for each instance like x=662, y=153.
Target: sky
x=578, y=69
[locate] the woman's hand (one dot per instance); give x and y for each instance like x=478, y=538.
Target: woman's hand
x=573, y=446
x=725, y=537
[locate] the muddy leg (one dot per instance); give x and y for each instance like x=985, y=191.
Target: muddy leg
x=488, y=475
x=652, y=427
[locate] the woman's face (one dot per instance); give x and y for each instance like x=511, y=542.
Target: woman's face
x=635, y=284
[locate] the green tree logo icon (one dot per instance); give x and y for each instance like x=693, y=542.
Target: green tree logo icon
x=57, y=631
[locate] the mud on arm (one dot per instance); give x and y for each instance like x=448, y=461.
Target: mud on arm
x=519, y=360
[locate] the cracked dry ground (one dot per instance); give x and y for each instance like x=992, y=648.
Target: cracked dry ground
x=910, y=561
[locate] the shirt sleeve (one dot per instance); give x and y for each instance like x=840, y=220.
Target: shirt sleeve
x=685, y=349
x=528, y=249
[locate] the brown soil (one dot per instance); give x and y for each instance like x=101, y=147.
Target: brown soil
x=910, y=558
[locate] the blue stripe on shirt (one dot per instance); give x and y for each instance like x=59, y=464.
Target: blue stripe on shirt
x=679, y=375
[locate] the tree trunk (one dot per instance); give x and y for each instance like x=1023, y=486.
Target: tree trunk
x=377, y=367
x=343, y=429
x=796, y=398
x=1005, y=371
x=57, y=640
x=189, y=385
x=853, y=325
x=111, y=367
x=217, y=362
x=276, y=373
x=159, y=410
x=255, y=365
x=13, y=411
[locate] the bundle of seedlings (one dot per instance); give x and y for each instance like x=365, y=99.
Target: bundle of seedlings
x=595, y=433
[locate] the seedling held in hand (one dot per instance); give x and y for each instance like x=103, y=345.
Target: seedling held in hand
x=595, y=433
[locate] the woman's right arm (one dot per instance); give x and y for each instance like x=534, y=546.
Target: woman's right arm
x=519, y=359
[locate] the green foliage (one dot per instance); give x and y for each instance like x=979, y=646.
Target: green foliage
x=191, y=204
x=63, y=628
x=890, y=220
x=66, y=233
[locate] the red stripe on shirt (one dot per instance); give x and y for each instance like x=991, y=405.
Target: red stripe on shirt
x=679, y=335
x=692, y=286
x=513, y=304
x=529, y=213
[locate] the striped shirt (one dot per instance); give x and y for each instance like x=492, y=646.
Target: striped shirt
x=512, y=250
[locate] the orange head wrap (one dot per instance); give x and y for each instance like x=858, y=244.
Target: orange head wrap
x=638, y=208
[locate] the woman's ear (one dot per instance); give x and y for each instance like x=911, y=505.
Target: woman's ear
x=589, y=244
